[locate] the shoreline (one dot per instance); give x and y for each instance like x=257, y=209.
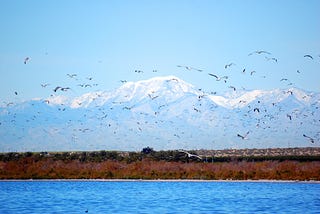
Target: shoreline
x=163, y=180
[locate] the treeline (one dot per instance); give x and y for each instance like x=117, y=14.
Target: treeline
x=150, y=164
x=170, y=156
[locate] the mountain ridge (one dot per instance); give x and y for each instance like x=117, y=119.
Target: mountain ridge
x=165, y=113
x=130, y=90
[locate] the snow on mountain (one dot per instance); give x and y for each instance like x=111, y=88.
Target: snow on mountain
x=164, y=113
x=238, y=100
x=133, y=92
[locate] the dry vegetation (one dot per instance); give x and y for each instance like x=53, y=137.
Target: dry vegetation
x=149, y=164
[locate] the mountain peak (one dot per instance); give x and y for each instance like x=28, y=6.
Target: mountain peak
x=165, y=113
x=167, y=87
x=170, y=88
x=159, y=83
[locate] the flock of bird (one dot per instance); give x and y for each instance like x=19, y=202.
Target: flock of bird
x=223, y=78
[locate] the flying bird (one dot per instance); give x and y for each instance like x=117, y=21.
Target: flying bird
x=232, y=87
x=271, y=58
x=8, y=104
x=289, y=92
x=189, y=68
x=152, y=97
x=190, y=155
x=174, y=79
x=44, y=85
x=259, y=52
x=61, y=88
x=243, y=136
x=72, y=75
x=289, y=116
x=252, y=72
x=309, y=56
x=56, y=89
x=219, y=78
x=26, y=60
x=310, y=138
x=197, y=110
x=229, y=65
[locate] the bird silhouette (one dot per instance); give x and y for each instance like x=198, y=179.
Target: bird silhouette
x=308, y=56
x=259, y=52
x=219, y=78
x=72, y=75
x=190, y=155
x=44, y=85
x=152, y=97
x=61, y=88
x=310, y=138
x=243, y=136
x=271, y=58
x=26, y=60
x=232, y=87
x=189, y=68
x=229, y=65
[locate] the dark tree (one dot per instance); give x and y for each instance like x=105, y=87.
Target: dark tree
x=147, y=150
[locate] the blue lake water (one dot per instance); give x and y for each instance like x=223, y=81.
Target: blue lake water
x=158, y=197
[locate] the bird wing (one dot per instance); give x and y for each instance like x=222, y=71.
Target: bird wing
x=56, y=89
x=26, y=59
x=266, y=52
x=239, y=135
x=213, y=75
x=307, y=55
x=234, y=88
x=196, y=69
x=247, y=134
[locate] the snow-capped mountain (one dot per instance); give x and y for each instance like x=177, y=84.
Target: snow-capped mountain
x=163, y=113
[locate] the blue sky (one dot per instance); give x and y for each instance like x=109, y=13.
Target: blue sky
x=109, y=40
